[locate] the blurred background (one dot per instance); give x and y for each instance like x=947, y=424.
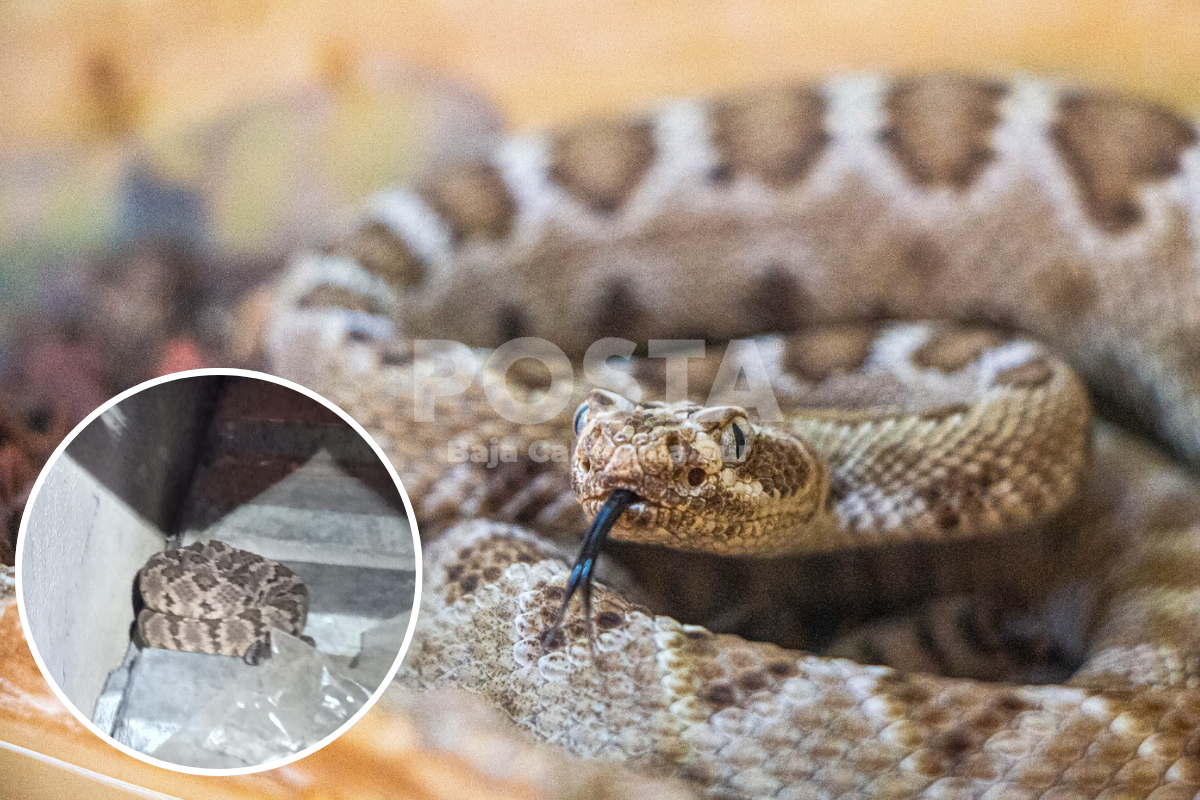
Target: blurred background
x=160, y=158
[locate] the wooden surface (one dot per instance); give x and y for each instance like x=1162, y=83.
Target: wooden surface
x=378, y=757
x=82, y=67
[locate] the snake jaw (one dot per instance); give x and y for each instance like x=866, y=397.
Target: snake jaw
x=640, y=515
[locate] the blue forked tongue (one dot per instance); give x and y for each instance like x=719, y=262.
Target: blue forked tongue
x=581, y=573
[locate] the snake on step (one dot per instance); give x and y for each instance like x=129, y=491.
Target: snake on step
x=908, y=459
x=211, y=597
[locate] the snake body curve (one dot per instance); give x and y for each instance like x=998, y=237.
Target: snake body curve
x=1067, y=214
x=211, y=597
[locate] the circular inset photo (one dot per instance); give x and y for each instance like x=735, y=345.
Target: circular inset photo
x=218, y=571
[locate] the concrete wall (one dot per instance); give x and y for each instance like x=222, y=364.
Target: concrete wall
x=144, y=448
x=100, y=514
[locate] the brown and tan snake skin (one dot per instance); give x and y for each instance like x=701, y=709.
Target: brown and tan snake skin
x=211, y=597
x=906, y=450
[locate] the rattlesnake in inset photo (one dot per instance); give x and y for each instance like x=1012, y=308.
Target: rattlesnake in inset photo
x=905, y=462
x=211, y=597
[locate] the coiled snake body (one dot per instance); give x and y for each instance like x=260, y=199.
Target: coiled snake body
x=1069, y=215
x=211, y=597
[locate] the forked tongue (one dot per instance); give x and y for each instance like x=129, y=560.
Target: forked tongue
x=581, y=573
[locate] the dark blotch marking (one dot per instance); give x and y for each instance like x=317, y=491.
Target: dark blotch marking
x=1115, y=145
x=931, y=715
x=1177, y=722
x=910, y=693
x=961, y=491
x=1011, y=704
x=492, y=573
x=948, y=518
x=394, y=358
x=990, y=315
x=554, y=593
x=1149, y=704
x=454, y=571
x=777, y=302
x=601, y=164
x=949, y=351
x=925, y=258
x=554, y=639
x=953, y=744
x=469, y=583
x=1068, y=291
x=782, y=669
x=721, y=173
x=722, y=695
x=608, y=619
x=1029, y=375
x=511, y=323
x=617, y=310
x=380, y=251
x=473, y=200
x=774, y=135
x=940, y=128
x=753, y=681
x=987, y=721
x=944, y=412
x=529, y=373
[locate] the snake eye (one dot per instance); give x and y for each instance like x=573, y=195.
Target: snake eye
x=736, y=437
x=580, y=418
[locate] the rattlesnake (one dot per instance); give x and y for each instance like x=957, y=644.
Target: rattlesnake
x=211, y=597
x=1067, y=214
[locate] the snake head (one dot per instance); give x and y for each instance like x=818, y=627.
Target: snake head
x=706, y=478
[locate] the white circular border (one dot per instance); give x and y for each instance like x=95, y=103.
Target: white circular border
x=22, y=535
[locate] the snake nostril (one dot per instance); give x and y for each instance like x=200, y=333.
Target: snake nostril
x=695, y=476
x=585, y=463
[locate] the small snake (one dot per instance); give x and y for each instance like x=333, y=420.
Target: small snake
x=211, y=597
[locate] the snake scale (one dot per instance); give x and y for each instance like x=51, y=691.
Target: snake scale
x=905, y=450
x=211, y=597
